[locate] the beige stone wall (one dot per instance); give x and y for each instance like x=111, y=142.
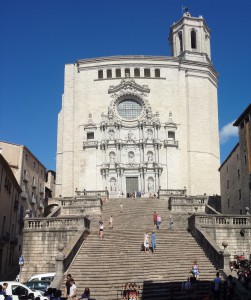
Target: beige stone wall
x=231, y=184
x=188, y=90
x=29, y=173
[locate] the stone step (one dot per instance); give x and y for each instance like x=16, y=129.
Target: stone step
x=105, y=266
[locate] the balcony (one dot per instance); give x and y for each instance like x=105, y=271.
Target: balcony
x=25, y=178
x=33, y=200
x=5, y=237
x=40, y=205
x=24, y=196
x=90, y=144
x=34, y=184
x=171, y=143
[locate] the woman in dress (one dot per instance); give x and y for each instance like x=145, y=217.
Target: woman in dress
x=146, y=241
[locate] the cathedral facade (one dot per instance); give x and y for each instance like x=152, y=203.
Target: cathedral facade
x=138, y=123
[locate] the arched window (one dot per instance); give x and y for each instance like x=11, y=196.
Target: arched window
x=181, y=41
x=100, y=74
x=118, y=73
x=193, y=39
x=157, y=72
x=146, y=72
x=109, y=73
x=136, y=73
x=127, y=72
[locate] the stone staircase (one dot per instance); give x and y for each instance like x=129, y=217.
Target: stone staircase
x=105, y=266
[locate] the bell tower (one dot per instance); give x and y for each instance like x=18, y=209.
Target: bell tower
x=190, y=38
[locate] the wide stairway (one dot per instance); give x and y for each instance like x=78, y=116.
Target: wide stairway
x=105, y=266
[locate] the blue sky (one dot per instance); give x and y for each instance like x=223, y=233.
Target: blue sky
x=38, y=37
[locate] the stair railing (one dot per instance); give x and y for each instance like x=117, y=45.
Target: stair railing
x=213, y=251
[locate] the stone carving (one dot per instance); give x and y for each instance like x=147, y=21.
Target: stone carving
x=130, y=136
x=150, y=156
x=131, y=157
x=112, y=157
x=110, y=113
x=111, y=134
x=113, y=186
x=149, y=134
x=150, y=185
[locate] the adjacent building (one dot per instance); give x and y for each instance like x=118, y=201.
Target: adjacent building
x=235, y=171
x=10, y=219
x=50, y=178
x=138, y=123
x=30, y=175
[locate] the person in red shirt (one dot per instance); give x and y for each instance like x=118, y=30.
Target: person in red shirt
x=155, y=219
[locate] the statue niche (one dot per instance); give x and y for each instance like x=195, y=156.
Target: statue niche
x=131, y=157
x=111, y=134
x=112, y=157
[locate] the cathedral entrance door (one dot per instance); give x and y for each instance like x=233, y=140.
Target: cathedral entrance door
x=132, y=185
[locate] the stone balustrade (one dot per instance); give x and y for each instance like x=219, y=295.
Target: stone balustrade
x=235, y=230
x=170, y=192
x=187, y=204
x=84, y=193
x=58, y=222
x=210, y=247
x=42, y=236
x=223, y=220
x=89, y=204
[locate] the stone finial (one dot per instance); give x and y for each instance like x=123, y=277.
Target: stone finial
x=60, y=255
x=170, y=118
x=247, y=210
x=60, y=247
x=90, y=120
x=196, y=209
x=224, y=244
x=82, y=209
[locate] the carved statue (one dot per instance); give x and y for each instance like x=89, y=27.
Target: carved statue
x=131, y=157
x=149, y=134
x=111, y=134
x=150, y=156
x=150, y=185
x=113, y=186
x=112, y=157
x=130, y=136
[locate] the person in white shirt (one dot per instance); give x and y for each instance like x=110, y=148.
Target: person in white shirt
x=73, y=289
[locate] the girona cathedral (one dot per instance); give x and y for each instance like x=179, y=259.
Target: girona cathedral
x=141, y=123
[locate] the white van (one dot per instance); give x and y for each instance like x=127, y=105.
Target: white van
x=46, y=277
x=21, y=291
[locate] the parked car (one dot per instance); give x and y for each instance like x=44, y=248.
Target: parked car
x=23, y=292
x=39, y=285
x=45, y=276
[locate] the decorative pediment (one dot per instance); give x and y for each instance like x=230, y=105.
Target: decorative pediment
x=128, y=86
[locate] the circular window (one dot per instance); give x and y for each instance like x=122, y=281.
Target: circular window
x=129, y=109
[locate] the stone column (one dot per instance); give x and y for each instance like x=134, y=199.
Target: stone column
x=59, y=267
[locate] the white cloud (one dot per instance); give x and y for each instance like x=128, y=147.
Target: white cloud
x=227, y=132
